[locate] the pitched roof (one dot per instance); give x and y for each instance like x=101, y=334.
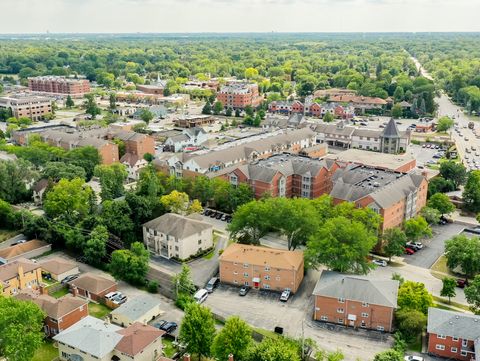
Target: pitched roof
x=130, y=158
x=91, y=335
x=57, y=265
x=136, y=307
x=453, y=324
x=54, y=308
x=136, y=337
x=262, y=256
x=391, y=130
x=177, y=225
x=10, y=270
x=357, y=288
x=40, y=185
x=21, y=248
x=92, y=283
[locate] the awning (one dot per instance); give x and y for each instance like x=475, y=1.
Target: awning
x=256, y=279
x=352, y=317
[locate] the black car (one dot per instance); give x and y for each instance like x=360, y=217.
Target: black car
x=219, y=215
x=159, y=324
x=206, y=212
x=475, y=230
x=213, y=214
x=169, y=327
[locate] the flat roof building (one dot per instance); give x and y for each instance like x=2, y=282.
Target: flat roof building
x=27, y=106
x=59, y=85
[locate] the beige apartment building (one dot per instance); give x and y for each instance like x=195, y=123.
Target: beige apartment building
x=18, y=275
x=261, y=267
x=27, y=106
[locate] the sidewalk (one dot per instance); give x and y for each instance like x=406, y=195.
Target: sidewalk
x=464, y=220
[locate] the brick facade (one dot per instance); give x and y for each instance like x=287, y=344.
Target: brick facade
x=59, y=85
x=449, y=347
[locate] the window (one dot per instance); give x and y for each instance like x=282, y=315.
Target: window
x=324, y=318
x=454, y=338
x=199, y=241
x=339, y=310
x=442, y=337
x=267, y=268
x=246, y=283
x=176, y=248
x=245, y=265
x=364, y=304
x=363, y=324
x=340, y=321
x=364, y=314
x=463, y=353
x=267, y=277
x=235, y=281
x=440, y=347
x=464, y=343
x=453, y=349
x=245, y=274
x=267, y=287
x=277, y=278
x=380, y=328
x=341, y=300
x=235, y=272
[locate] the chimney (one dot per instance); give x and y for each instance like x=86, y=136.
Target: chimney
x=43, y=290
x=21, y=276
x=74, y=291
x=230, y=357
x=186, y=357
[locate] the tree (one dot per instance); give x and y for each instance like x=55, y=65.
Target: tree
x=464, y=252
x=395, y=240
x=431, y=215
x=472, y=295
x=328, y=117
x=117, y=217
x=195, y=207
x=146, y=115
x=448, y=288
x=198, y=330
x=69, y=103
x=85, y=157
x=398, y=94
x=69, y=199
x=471, y=192
x=60, y=170
x=414, y=296
x=453, y=171
x=234, y=338
x=217, y=107
x=440, y=185
x=388, y=355
x=417, y=228
x=275, y=349
x=207, y=108
x=397, y=111
x=112, y=101
x=342, y=245
x=183, y=281
x=91, y=106
x=228, y=113
x=442, y=203
x=21, y=329
x=249, y=111
x=96, y=246
x=176, y=202
x=410, y=323
x=14, y=177
x=112, y=178
x=237, y=113
x=148, y=157
x=251, y=73
x=251, y=222
x=444, y=124
x=130, y=265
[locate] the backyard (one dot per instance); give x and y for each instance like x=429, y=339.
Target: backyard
x=5, y=234
x=97, y=310
x=47, y=352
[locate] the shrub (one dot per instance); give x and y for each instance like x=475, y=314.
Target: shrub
x=152, y=287
x=183, y=300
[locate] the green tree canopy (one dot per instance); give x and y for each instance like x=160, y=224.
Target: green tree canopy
x=414, y=296
x=234, y=338
x=464, y=252
x=96, y=246
x=472, y=294
x=442, y=203
x=112, y=178
x=448, y=287
x=444, y=124
x=130, y=265
x=453, y=171
x=198, y=330
x=395, y=240
x=417, y=228
x=471, y=192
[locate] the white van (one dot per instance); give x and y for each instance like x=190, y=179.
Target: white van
x=201, y=295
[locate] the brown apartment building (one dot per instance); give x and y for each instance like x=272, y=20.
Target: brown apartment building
x=238, y=95
x=59, y=85
x=27, y=106
x=355, y=301
x=18, y=275
x=261, y=267
x=453, y=335
x=60, y=313
x=395, y=196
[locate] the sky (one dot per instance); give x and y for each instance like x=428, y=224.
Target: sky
x=190, y=16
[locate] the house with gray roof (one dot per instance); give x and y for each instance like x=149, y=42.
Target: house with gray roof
x=453, y=335
x=189, y=137
x=355, y=301
x=177, y=236
x=139, y=309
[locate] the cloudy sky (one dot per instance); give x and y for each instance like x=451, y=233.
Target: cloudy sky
x=162, y=16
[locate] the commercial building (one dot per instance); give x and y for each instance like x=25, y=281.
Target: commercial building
x=139, y=309
x=21, y=274
x=27, y=106
x=395, y=196
x=174, y=235
x=453, y=335
x=92, y=287
x=193, y=121
x=261, y=267
x=238, y=95
x=360, y=103
x=355, y=301
x=59, y=85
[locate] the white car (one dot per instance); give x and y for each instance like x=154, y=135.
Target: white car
x=413, y=358
x=380, y=262
x=285, y=295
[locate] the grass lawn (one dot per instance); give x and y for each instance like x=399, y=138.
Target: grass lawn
x=445, y=305
x=60, y=293
x=46, y=352
x=265, y=333
x=416, y=345
x=97, y=310
x=4, y=234
x=440, y=269
x=168, y=349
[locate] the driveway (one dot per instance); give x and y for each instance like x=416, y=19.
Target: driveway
x=435, y=246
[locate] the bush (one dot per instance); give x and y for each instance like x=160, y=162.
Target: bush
x=183, y=300
x=399, y=343
x=410, y=323
x=152, y=287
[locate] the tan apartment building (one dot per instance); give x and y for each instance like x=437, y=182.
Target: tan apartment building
x=27, y=106
x=21, y=274
x=355, y=301
x=261, y=267
x=59, y=85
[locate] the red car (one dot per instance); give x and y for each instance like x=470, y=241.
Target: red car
x=462, y=283
x=409, y=251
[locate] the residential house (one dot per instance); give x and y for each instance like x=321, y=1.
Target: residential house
x=92, y=287
x=139, y=309
x=333, y=92
x=39, y=189
x=261, y=267
x=174, y=235
x=355, y=301
x=315, y=151
x=189, y=137
x=282, y=107
x=94, y=339
x=134, y=164
x=453, y=335
x=30, y=249
x=59, y=268
x=60, y=313
x=21, y=274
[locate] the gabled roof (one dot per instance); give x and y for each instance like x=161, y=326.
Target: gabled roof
x=357, y=288
x=57, y=265
x=136, y=337
x=92, y=283
x=40, y=185
x=177, y=225
x=131, y=159
x=91, y=335
x=10, y=270
x=54, y=308
x=21, y=248
x=453, y=324
x=136, y=307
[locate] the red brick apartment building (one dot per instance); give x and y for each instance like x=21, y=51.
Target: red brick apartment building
x=355, y=301
x=261, y=267
x=59, y=85
x=453, y=335
x=60, y=313
x=237, y=95
x=28, y=106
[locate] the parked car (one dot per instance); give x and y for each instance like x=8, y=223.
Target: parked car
x=206, y=212
x=219, y=215
x=380, y=262
x=200, y=295
x=213, y=214
x=363, y=124
x=462, y=283
x=285, y=296
x=413, y=358
x=244, y=290
x=475, y=230
x=159, y=324
x=416, y=246
x=212, y=284
x=224, y=217
x=19, y=242
x=111, y=295
x=409, y=251
x=119, y=299
x=169, y=327
x=69, y=279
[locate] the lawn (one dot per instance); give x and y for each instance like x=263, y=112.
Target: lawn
x=97, y=310
x=60, y=293
x=168, y=349
x=445, y=304
x=416, y=345
x=440, y=269
x=4, y=234
x=47, y=352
